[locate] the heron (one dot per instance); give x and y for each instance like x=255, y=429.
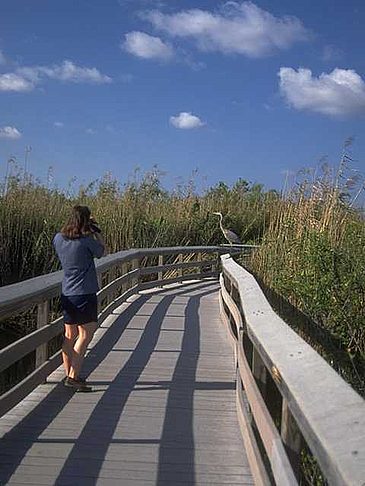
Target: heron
x=229, y=235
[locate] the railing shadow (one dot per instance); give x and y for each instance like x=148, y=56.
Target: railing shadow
x=20, y=439
x=122, y=386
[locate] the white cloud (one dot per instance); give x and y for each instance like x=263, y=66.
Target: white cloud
x=90, y=131
x=146, y=46
x=14, y=82
x=240, y=28
x=27, y=78
x=339, y=93
x=68, y=71
x=10, y=132
x=186, y=121
x=58, y=124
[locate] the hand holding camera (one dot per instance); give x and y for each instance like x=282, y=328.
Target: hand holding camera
x=94, y=225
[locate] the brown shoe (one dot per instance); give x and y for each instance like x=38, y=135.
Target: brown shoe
x=77, y=385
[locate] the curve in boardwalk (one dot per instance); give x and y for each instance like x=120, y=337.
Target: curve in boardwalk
x=163, y=411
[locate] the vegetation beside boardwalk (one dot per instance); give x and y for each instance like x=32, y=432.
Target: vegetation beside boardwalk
x=312, y=238
x=313, y=254
x=140, y=213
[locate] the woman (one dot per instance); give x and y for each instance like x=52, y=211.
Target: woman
x=76, y=246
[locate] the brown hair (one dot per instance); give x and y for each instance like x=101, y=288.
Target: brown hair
x=78, y=223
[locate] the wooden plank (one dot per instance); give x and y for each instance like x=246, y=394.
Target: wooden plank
x=197, y=390
x=270, y=437
x=259, y=372
x=335, y=438
x=21, y=296
x=136, y=269
x=42, y=320
x=165, y=281
x=160, y=264
x=112, y=286
x=227, y=324
x=174, y=266
x=292, y=437
x=230, y=303
x=17, y=350
x=253, y=453
x=9, y=399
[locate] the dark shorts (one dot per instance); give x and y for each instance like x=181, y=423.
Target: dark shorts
x=79, y=309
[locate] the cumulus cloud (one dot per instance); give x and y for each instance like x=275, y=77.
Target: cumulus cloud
x=147, y=46
x=186, y=121
x=15, y=82
x=10, y=132
x=27, y=78
x=68, y=71
x=339, y=93
x=239, y=28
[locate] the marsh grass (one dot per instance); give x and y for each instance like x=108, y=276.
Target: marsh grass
x=140, y=213
x=313, y=254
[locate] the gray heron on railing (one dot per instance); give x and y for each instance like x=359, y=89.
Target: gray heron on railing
x=229, y=235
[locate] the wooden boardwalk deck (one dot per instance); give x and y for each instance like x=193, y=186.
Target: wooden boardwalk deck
x=163, y=410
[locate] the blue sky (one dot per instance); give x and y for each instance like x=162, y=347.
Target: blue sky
x=232, y=89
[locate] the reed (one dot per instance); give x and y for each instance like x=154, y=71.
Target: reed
x=140, y=213
x=313, y=253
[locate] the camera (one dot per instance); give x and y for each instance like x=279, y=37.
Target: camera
x=94, y=226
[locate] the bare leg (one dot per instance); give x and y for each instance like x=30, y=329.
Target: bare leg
x=86, y=332
x=71, y=334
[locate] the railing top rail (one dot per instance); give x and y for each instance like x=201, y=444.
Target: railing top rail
x=330, y=414
x=19, y=295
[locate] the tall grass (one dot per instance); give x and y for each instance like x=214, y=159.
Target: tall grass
x=313, y=253
x=140, y=213
x=312, y=239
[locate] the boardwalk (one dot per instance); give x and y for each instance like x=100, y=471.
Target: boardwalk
x=163, y=410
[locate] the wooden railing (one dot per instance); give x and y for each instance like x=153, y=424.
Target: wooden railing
x=287, y=394
x=120, y=275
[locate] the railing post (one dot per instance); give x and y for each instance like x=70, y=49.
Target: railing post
x=42, y=320
x=124, y=271
x=292, y=437
x=111, y=276
x=180, y=260
x=160, y=262
x=100, y=280
x=199, y=258
x=259, y=372
x=215, y=264
x=135, y=266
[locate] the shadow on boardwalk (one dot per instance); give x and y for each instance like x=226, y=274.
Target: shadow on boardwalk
x=87, y=453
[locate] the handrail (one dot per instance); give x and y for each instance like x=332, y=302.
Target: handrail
x=19, y=296
x=121, y=275
x=317, y=404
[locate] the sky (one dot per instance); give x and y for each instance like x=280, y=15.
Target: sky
x=217, y=89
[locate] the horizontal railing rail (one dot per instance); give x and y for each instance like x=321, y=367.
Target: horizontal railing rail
x=287, y=393
x=120, y=275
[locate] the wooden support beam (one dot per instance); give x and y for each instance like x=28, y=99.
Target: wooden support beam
x=42, y=320
x=135, y=266
x=259, y=372
x=180, y=260
x=292, y=438
x=160, y=263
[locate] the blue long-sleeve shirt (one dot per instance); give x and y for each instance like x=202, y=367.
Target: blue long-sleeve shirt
x=77, y=260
